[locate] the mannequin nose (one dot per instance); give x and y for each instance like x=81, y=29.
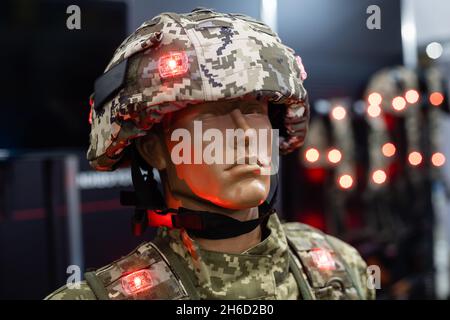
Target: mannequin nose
x=241, y=123
x=239, y=119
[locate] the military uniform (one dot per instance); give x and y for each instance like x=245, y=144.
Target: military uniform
x=294, y=261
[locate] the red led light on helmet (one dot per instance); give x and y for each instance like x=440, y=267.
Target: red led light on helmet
x=137, y=282
x=322, y=259
x=173, y=64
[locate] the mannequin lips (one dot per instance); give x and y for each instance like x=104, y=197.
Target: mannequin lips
x=245, y=169
x=249, y=164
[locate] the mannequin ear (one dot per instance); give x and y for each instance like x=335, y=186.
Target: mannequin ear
x=151, y=150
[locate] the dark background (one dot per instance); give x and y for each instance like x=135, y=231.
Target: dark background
x=48, y=74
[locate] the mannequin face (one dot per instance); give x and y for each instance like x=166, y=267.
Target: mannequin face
x=236, y=179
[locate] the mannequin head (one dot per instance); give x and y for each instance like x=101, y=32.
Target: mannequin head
x=236, y=180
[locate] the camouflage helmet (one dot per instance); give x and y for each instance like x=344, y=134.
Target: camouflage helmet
x=178, y=59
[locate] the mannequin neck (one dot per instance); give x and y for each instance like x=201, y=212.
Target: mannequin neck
x=233, y=245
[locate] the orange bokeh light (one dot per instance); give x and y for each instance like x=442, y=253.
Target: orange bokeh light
x=374, y=110
x=379, y=176
x=415, y=158
x=312, y=155
x=438, y=159
x=436, y=98
x=412, y=96
x=399, y=103
x=374, y=98
x=334, y=156
x=338, y=113
x=346, y=181
x=388, y=149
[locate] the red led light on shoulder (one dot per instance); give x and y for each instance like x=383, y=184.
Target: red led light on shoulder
x=137, y=281
x=173, y=64
x=323, y=259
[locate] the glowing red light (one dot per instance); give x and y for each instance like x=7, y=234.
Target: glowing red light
x=173, y=64
x=388, y=149
x=312, y=155
x=412, y=96
x=155, y=219
x=436, y=99
x=137, y=282
x=438, y=159
x=346, y=181
x=314, y=219
x=399, y=103
x=374, y=98
x=322, y=258
x=415, y=158
x=315, y=175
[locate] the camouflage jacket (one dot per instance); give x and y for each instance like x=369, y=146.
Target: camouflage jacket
x=293, y=261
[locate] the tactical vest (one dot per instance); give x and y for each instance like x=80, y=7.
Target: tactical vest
x=154, y=271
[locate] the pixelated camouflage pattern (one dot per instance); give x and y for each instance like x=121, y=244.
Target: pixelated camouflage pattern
x=230, y=56
x=261, y=272
x=341, y=283
x=84, y=292
x=356, y=264
x=164, y=286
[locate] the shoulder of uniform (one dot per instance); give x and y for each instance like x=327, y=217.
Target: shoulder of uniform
x=77, y=291
x=356, y=263
x=347, y=252
x=298, y=226
x=306, y=232
x=304, y=237
x=145, y=273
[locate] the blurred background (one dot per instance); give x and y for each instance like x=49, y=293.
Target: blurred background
x=373, y=170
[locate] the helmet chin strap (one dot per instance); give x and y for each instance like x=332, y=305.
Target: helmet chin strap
x=150, y=209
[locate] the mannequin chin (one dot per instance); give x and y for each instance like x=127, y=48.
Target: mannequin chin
x=233, y=193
